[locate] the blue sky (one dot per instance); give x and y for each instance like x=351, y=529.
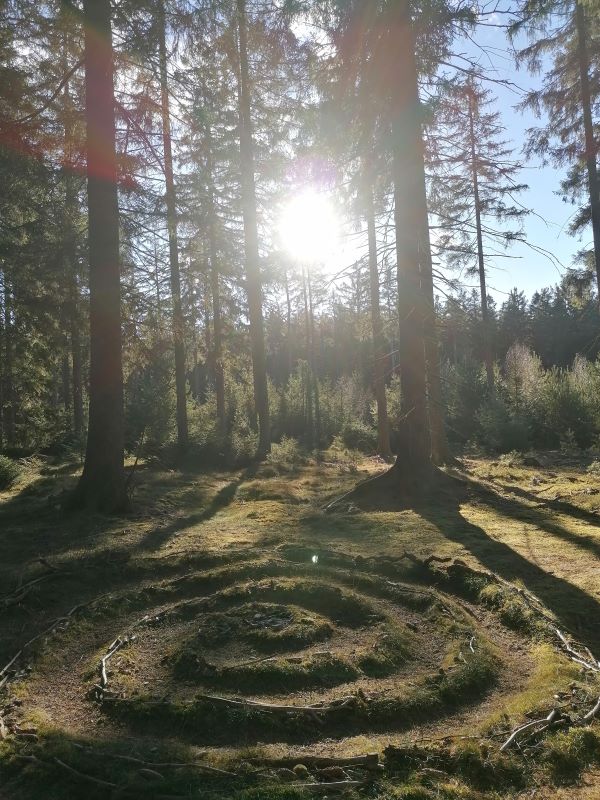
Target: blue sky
x=528, y=270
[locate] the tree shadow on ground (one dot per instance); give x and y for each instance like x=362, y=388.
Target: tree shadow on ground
x=442, y=506
x=538, y=515
x=157, y=537
x=79, y=767
x=559, y=506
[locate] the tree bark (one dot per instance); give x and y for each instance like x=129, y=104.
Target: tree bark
x=174, y=272
x=66, y=388
x=440, y=450
x=289, y=323
x=588, y=127
x=383, y=427
x=413, y=462
x=485, y=315
x=102, y=484
x=71, y=208
x=310, y=431
x=216, y=299
x=253, y=276
x=76, y=362
x=2, y=366
x=8, y=395
x=313, y=363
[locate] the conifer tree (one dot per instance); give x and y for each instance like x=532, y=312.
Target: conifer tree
x=566, y=33
x=102, y=484
x=474, y=188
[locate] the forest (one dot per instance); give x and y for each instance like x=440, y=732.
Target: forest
x=300, y=399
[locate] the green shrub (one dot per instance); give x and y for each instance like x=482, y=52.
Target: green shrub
x=594, y=468
x=287, y=451
x=512, y=459
x=501, y=430
x=561, y=415
x=568, y=754
x=9, y=472
x=150, y=403
x=357, y=436
x=464, y=387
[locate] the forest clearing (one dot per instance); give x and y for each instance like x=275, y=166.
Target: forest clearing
x=299, y=399
x=239, y=584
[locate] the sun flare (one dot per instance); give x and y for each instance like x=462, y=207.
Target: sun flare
x=309, y=228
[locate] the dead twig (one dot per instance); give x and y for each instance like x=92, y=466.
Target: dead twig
x=18, y=594
x=46, y=632
x=250, y=663
x=113, y=648
x=276, y=708
x=83, y=775
x=333, y=786
x=157, y=765
x=592, y=713
x=588, y=662
x=552, y=716
x=369, y=761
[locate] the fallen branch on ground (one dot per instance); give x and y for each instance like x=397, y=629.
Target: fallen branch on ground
x=592, y=713
x=83, y=775
x=370, y=761
x=4, y=672
x=155, y=765
x=21, y=592
x=117, y=645
x=277, y=707
x=512, y=739
x=333, y=786
x=589, y=662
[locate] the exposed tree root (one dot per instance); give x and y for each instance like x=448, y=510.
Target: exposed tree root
x=397, y=488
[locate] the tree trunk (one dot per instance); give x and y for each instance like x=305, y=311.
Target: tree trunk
x=310, y=437
x=440, y=450
x=313, y=363
x=588, y=127
x=102, y=484
x=2, y=366
x=72, y=321
x=289, y=324
x=253, y=277
x=66, y=388
x=73, y=303
x=175, y=279
x=383, y=427
x=485, y=316
x=76, y=365
x=414, y=458
x=216, y=300
x=8, y=395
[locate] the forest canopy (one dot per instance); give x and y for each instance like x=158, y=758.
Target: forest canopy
x=228, y=223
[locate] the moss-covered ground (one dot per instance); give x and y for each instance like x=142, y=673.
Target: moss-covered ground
x=229, y=593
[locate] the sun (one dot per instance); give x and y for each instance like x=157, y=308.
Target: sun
x=309, y=228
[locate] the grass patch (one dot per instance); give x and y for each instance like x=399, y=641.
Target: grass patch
x=568, y=754
x=267, y=626
x=9, y=472
x=210, y=722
